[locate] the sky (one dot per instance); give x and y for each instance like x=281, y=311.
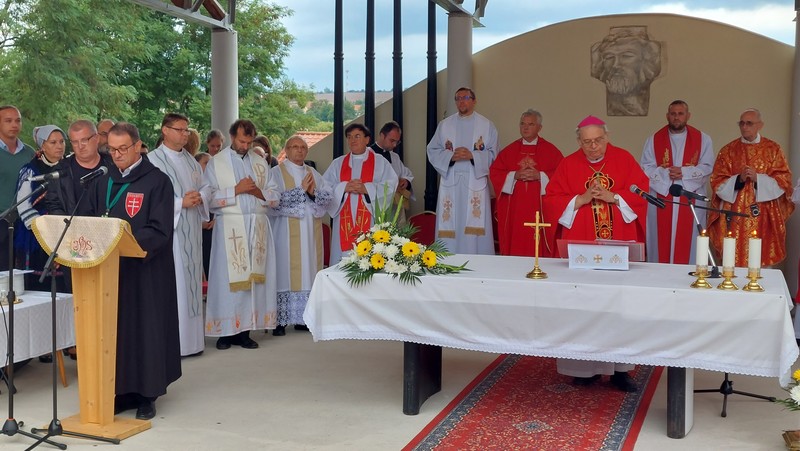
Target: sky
x=311, y=56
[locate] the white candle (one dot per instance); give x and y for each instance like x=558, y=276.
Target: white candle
x=754, y=254
x=728, y=252
x=701, y=253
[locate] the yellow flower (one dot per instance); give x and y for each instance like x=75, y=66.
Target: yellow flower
x=796, y=375
x=363, y=248
x=410, y=249
x=377, y=261
x=381, y=236
x=429, y=258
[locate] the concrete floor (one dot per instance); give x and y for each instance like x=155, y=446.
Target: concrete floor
x=295, y=394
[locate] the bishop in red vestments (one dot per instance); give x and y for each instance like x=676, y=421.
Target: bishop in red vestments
x=590, y=196
x=519, y=176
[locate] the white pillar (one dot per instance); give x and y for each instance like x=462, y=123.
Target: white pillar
x=793, y=153
x=459, y=57
x=224, y=80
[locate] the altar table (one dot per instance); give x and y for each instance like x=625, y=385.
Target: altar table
x=648, y=315
x=32, y=330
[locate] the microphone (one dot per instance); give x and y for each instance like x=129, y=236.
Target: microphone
x=102, y=170
x=645, y=195
x=678, y=191
x=55, y=175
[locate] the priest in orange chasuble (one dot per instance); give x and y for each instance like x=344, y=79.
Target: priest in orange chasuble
x=589, y=196
x=519, y=176
x=751, y=176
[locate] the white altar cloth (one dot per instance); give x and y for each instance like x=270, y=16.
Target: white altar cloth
x=647, y=315
x=32, y=328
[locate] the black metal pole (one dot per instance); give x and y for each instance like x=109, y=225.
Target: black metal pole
x=397, y=72
x=369, y=73
x=338, y=84
x=431, y=177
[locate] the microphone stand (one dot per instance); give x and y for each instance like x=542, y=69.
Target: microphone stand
x=55, y=427
x=726, y=387
x=11, y=427
x=728, y=213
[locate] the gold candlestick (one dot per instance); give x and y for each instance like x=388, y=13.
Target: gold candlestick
x=536, y=272
x=753, y=274
x=727, y=283
x=701, y=272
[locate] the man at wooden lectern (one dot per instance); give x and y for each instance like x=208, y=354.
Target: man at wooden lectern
x=148, y=346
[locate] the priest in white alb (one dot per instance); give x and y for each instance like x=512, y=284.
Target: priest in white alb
x=297, y=228
x=190, y=210
x=360, y=181
x=241, y=284
x=462, y=150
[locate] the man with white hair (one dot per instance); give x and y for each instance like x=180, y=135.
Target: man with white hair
x=589, y=194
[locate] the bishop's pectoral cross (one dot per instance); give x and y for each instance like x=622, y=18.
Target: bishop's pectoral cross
x=536, y=273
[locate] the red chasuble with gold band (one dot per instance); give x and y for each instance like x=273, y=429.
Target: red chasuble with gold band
x=519, y=207
x=351, y=227
x=617, y=171
x=685, y=224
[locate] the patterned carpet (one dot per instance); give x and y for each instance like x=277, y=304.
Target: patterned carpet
x=522, y=403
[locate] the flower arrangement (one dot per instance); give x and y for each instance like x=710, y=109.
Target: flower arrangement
x=388, y=248
x=793, y=401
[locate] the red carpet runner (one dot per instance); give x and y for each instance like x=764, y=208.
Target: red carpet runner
x=522, y=403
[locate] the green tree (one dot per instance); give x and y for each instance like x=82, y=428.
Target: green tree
x=65, y=59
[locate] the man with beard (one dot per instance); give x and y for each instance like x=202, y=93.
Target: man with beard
x=461, y=151
x=677, y=154
x=387, y=140
x=627, y=61
x=242, y=279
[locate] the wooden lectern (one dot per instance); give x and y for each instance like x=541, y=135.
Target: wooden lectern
x=92, y=248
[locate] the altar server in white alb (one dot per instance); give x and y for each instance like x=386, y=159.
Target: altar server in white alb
x=360, y=180
x=241, y=284
x=190, y=210
x=462, y=150
x=297, y=228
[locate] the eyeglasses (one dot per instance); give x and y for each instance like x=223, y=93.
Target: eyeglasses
x=748, y=123
x=102, y=133
x=593, y=142
x=121, y=150
x=185, y=131
x=354, y=136
x=460, y=98
x=81, y=142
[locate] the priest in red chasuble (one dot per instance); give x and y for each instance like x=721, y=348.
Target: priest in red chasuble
x=519, y=176
x=589, y=196
x=751, y=176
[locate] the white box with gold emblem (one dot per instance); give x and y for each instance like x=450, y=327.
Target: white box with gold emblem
x=594, y=256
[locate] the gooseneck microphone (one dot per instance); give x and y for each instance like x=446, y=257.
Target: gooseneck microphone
x=102, y=170
x=678, y=191
x=55, y=175
x=646, y=196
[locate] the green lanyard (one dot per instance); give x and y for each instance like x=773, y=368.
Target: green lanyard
x=110, y=203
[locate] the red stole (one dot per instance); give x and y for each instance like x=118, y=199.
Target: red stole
x=349, y=230
x=685, y=225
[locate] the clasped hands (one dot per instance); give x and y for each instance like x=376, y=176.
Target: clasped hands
x=527, y=175
x=191, y=199
x=748, y=174
x=308, y=184
x=461, y=154
x=248, y=186
x=355, y=186
x=595, y=191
